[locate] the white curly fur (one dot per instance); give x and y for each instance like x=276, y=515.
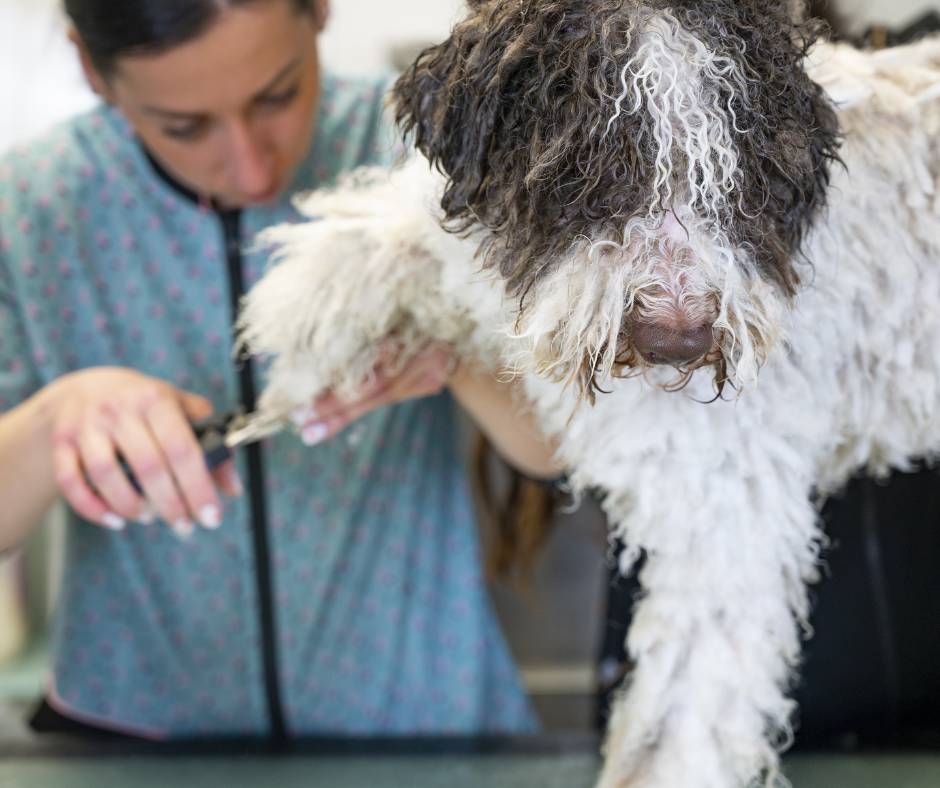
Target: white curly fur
x=675, y=82
x=717, y=495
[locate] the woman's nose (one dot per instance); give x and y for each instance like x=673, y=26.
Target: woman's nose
x=252, y=165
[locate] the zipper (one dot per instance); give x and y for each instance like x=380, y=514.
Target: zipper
x=231, y=228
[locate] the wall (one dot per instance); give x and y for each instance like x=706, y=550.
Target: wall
x=861, y=13
x=39, y=75
x=361, y=32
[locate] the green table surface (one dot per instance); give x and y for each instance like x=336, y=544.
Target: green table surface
x=490, y=771
x=524, y=769
x=550, y=761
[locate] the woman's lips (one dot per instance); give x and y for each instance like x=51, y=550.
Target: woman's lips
x=262, y=197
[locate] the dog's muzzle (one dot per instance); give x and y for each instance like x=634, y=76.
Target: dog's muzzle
x=678, y=347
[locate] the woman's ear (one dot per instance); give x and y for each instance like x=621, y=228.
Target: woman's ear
x=92, y=75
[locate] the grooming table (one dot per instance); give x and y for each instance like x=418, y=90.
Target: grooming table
x=556, y=761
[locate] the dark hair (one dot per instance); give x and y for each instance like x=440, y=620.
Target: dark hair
x=502, y=105
x=517, y=514
x=111, y=29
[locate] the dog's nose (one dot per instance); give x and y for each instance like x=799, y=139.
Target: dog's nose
x=660, y=344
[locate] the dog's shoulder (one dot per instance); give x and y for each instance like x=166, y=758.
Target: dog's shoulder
x=900, y=77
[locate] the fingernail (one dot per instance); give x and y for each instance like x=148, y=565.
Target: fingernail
x=210, y=517
x=147, y=516
x=183, y=528
x=315, y=434
x=303, y=416
x=112, y=521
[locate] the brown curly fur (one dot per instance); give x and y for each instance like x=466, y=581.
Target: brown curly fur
x=509, y=106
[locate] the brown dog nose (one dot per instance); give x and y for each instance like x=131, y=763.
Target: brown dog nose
x=660, y=344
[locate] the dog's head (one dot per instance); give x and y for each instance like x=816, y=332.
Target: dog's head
x=647, y=171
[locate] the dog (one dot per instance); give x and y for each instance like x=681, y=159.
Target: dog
x=708, y=245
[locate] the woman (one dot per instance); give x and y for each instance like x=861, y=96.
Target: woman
x=341, y=593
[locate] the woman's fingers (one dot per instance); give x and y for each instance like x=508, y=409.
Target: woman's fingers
x=102, y=467
x=195, y=407
x=123, y=449
x=184, y=458
x=76, y=490
x=422, y=376
x=329, y=405
x=384, y=379
x=227, y=479
x=146, y=461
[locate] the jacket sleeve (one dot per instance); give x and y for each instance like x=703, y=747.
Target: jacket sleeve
x=18, y=376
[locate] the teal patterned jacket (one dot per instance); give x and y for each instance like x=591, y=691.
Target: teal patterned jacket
x=368, y=613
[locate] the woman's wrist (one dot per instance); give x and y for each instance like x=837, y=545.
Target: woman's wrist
x=498, y=410
x=43, y=406
x=460, y=376
x=26, y=435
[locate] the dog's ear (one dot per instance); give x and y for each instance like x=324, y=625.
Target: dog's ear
x=449, y=106
x=805, y=169
x=792, y=141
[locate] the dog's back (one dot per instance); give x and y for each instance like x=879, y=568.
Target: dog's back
x=872, y=311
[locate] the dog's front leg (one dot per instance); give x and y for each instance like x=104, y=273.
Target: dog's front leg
x=369, y=266
x=730, y=539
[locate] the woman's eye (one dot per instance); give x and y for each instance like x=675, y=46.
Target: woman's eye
x=185, y=133
x=279, y=99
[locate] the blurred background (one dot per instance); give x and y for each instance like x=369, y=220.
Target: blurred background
x=556, y=618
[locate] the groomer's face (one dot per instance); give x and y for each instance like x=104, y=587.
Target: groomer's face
x=230, y=114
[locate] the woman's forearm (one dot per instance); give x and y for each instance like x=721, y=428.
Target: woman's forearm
x=495, y=406
x=27, y=480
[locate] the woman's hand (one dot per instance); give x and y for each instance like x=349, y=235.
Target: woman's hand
x=99, y=414
x=424, y=375
x=497, y=407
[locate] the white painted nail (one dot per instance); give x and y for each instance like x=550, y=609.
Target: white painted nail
x=183, y=528
x=112, y=521
x=210, y=517
x=147, y=516
x=302, y=416
x=315, y=434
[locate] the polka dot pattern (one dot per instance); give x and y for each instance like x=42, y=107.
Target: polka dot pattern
x=383, y=624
